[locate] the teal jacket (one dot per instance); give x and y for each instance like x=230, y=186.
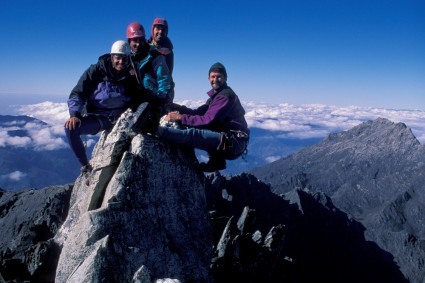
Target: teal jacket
x=153, y=75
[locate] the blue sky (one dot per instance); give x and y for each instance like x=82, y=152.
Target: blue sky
x=365, y=53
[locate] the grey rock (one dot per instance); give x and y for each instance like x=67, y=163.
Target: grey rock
x=29, y=219
x=374, y=173
x=142, y=215
x=308, y=239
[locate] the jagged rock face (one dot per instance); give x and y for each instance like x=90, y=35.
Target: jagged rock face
x=363, y=164
x=297, y=237
x=142, y=217
x=29, y=220
x=375, y=173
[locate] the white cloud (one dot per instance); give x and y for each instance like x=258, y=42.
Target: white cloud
x=14, y=123
x=14, y=176
x=296, y=121
x=51, y=113
x=18, y=141
x=270, y=159
x=7, y=140
x=89, y=142
x=32, y=135
x=43, y=138
x=317, y=120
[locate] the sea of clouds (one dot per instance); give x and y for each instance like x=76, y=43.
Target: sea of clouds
x=291, y=121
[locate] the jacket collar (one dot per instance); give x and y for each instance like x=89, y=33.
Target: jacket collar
x=213, y=92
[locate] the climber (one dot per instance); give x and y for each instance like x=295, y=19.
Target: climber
x=104, y=91
x=160, y=40
x=150, y=69
x=218, y=127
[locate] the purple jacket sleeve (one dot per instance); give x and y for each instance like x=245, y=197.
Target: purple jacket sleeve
x=80, y=93
x=218, y=106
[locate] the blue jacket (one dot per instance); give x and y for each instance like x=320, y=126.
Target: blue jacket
x=153, y=75
x=165, y=48
x=100, y=90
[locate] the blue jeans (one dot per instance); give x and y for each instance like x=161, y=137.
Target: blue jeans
x=90, y=125
x=198, y=138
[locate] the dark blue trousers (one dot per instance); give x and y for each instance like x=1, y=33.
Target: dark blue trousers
x=90, y=125
x=198, y=138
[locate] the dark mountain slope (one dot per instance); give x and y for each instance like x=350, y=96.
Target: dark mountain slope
x=375, y=172
x=33, y=167
x=320, y=242
x=143, y=214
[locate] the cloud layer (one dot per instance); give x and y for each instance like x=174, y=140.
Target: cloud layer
x=318, y=120
x=22, y=133
x=291, y=121
x=15, y=176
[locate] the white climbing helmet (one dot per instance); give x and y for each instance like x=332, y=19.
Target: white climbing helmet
x=120, y=47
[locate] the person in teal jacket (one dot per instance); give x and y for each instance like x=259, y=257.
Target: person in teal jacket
x=160, y=40
x=150, y=67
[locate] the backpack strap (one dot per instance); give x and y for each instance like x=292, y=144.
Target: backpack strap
x=233, y=143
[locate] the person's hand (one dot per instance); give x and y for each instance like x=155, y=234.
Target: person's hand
x=72, y=123
x=173, y=117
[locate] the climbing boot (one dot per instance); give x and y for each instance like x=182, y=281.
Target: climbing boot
x=146, y=122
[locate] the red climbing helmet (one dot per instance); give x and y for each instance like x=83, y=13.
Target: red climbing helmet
x=161, y=22
x=135, y=30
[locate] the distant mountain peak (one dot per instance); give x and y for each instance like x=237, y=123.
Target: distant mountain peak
x=380, y=131
x=370, y=172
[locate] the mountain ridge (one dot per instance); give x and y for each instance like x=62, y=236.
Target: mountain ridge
x=374, y=172
x=351, y=225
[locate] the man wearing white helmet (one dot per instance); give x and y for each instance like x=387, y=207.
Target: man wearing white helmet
x=104, y=91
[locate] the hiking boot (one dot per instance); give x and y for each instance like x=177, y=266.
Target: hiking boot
x=151, y=124
x=86, y=171
x=215, y=163
x=148, y=120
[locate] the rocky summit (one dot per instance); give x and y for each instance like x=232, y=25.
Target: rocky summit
x=141, y=216
x=348, y=209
